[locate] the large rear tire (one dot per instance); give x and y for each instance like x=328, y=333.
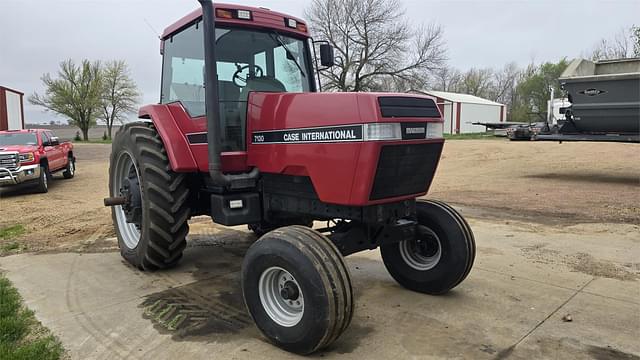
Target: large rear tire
x=297, y=288
x=441, y=256
x=157, y=239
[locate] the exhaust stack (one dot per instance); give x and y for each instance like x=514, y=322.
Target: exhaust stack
x=212, y=106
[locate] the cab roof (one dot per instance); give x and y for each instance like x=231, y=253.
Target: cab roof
x=261, y=18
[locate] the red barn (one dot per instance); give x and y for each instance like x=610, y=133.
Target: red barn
x=11, y=109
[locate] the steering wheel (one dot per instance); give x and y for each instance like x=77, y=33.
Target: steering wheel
x=240, y=81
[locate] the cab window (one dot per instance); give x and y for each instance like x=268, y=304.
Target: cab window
x=247, y=61
x=44, y=138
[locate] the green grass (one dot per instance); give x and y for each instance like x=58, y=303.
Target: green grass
x=10, y=232
x=21, y=335
x=9, y=247
x=471, y=136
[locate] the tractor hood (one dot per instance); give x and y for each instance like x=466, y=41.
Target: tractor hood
x=275, y=111
x=354, y=148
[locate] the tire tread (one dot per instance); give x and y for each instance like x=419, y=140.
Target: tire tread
x=167, y=195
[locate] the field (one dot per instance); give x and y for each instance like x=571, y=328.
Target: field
x=557, y=227
x=67, y=132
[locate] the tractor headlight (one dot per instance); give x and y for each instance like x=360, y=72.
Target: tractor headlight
x=435, y=130
x=382, y=131
x=27, y=158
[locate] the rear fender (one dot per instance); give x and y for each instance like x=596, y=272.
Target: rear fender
x=175, y=142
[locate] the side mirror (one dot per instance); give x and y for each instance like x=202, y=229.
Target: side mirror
x=327, y=57
x=54, y=141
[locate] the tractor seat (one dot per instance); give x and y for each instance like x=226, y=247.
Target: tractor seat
x=261, y=84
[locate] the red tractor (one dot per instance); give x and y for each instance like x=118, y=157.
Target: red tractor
x=242, y=134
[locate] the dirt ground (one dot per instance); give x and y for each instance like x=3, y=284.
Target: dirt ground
x=540, y=183
x=71, y=212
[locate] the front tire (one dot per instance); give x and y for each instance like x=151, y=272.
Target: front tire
x=439, y=258
x=43, y=180
x=297, y=289
x=139, y=163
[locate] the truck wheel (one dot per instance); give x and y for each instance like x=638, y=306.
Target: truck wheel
x=297, y=288
x=439, y=258
x=43, y=180
x=70, y=171
x=152, y=226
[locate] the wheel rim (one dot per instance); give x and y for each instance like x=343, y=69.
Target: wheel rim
x=423, y=253
x=72, y=168
x=281, y=296
x=45, y=179
x=129, y=232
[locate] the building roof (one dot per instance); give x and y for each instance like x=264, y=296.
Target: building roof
x=11, y=90
x=461, y=98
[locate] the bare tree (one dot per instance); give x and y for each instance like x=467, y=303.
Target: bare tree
x=446, y=79
x=374, y=44
x=624, y=44
x=119, y=95
x=504, y=83
x=76, y=93
x=477, y=82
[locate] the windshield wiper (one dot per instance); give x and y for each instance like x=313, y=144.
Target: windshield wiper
x=276, y=37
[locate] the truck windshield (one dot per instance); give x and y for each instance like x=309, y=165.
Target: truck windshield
x=18, y=139
x=247, y=61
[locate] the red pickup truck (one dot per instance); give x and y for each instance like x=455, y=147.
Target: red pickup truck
x=31, y=156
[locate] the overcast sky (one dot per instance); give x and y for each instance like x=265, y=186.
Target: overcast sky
x=35, y=35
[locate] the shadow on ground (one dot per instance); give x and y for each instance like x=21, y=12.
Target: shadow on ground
x=28, y=188
x=589, y=177
x=213, y=304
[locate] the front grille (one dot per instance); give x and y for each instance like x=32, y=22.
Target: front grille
x=403, y=106
x=405, y=170
x=9, y=160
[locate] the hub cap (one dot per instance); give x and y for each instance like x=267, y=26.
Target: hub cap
x=422, y=253
x=281, y=296
x=129, y=216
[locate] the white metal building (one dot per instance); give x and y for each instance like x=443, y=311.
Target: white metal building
x=11, y=109
x=461, y=110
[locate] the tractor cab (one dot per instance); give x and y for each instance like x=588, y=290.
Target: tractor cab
x=249, y=58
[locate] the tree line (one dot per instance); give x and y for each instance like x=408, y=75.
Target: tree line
x=90, y=91
x=378, y=50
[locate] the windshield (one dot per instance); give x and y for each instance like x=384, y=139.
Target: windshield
x=267, y=60
x=18, y=139
x=247, y=61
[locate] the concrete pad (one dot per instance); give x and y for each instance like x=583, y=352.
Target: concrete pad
x=615, y=289
x=511, y=304
x=600, y=329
